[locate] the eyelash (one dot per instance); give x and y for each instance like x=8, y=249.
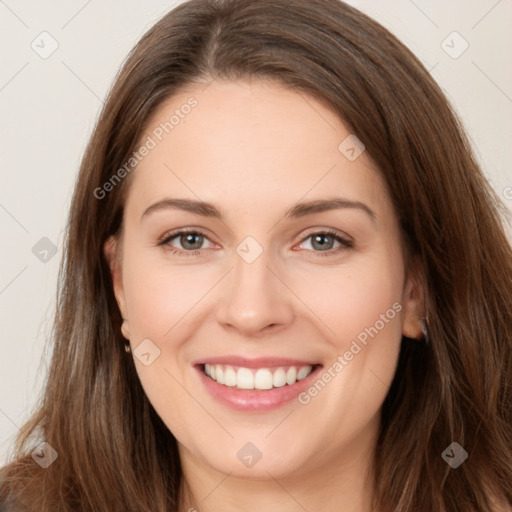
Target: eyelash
x=168, y=237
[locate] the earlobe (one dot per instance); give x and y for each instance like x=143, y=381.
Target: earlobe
x=110, y=250
x=124, y=329
x=413, y=306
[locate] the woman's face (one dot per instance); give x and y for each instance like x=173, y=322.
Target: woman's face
x=271, y=284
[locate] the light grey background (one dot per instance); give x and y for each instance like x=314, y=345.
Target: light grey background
x=49, y=107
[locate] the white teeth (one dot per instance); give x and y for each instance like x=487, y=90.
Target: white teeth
x=244, y=379
x=229, y=377
x=301, y=374
x=262, y=378
x=279, y=378
x=291, y=375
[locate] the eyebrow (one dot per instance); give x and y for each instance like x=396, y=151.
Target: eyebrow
x=206, y=209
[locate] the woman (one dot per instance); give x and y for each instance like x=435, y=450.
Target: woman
x=339, y=334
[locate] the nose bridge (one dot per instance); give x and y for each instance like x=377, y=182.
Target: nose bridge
x=256, y=297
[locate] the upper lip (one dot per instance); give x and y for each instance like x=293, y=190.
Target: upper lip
x=260, y=362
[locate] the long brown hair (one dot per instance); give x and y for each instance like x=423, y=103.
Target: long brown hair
x=115, y=453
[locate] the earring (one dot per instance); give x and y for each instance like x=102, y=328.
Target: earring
x=424, y=330
x=127, y=347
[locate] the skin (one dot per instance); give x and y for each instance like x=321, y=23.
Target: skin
x=255, y=149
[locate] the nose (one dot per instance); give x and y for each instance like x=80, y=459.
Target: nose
x=256, y=298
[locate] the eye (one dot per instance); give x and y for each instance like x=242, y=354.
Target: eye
x=190, y=240
x=324, y=241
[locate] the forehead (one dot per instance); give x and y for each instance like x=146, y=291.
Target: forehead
x=250, y=146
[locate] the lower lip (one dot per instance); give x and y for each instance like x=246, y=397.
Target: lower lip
x=255, y=400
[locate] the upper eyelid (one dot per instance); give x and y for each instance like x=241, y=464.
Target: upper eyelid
x=328, y=231
x=171, y=235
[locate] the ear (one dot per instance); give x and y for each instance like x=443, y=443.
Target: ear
x=112, y=254
x=413, y=302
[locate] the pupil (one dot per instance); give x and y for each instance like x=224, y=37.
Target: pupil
x=189, y=238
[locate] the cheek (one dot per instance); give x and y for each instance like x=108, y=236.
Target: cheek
x=363, y=308
x=360, y=308
x=159, y=294
x=353, y=297
x=160, y=299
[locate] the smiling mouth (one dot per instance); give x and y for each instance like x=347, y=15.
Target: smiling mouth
x=261, y=379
